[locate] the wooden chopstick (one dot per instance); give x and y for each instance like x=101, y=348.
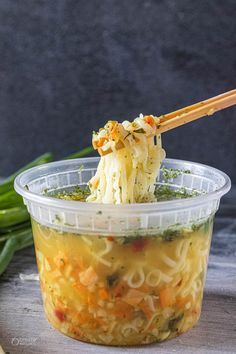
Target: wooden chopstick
x=198, y=110
x=188, y=114
x=195, y=105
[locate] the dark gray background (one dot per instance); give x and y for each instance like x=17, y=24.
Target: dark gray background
x=68, y=66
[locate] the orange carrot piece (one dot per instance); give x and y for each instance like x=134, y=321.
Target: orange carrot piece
x=167, y=297
x=100, y=142
x=150, y=120
x=123, y=310
x=103, y=294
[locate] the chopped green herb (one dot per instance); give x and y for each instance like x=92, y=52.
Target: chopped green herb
x=57, y=217
x=75, y=193
x=171, y=173
x=164, y=193
x=173, y=323
x=128, y=239
x=170, y=234
x=204, y=226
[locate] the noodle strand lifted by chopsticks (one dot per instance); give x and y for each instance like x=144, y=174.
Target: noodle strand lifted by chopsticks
x=127, y=174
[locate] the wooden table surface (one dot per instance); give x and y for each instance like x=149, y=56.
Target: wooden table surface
x=24, y=329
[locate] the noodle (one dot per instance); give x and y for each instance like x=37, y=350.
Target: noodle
x=108, y=248
x=127, y=174
x=86, y=240
x=153, y=277
x=100, y=259
x=128, y=329
x=130, y=278
x=165, y=277
x=168, y=261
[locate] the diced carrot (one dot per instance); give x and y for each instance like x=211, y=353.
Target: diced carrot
x=103, y=294
x=149, y=120
x=115, y=134
x=100, y=142
x=123, y=310
x=167, y=297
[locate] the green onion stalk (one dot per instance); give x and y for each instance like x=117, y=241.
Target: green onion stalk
x=15, y=229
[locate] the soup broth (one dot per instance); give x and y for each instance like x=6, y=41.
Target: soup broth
x=123, y=290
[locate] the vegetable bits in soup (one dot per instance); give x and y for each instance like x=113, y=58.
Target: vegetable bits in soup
x=123, y=290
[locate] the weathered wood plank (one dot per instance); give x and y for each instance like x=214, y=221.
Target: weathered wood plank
x=23, y=328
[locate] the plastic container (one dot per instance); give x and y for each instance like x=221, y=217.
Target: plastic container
x=121, y=274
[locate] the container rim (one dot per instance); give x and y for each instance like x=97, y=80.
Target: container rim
x=118, y=208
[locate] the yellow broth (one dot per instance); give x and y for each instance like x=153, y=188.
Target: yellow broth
x=123, y=290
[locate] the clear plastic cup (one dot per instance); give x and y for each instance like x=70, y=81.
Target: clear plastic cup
x=121, y=274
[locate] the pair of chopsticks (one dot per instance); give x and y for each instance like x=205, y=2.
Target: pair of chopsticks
x=188, y=114
x=198, y=110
